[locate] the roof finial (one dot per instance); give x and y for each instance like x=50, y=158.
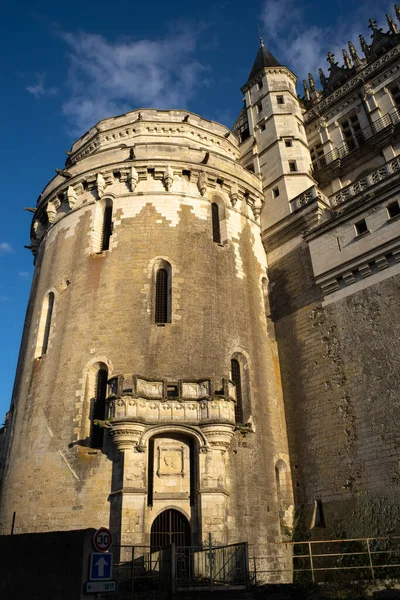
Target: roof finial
x=372, y=24
x=346, y=59
x=364, y=45
x=306, y=90
x=312, y=83
x=392, y=25
x=331, y=58
x=259, y=35
x=397, y=11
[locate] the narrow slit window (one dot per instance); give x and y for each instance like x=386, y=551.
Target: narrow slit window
x=216, y=230
x=107, y=227
x=237, y=380
x=99, y=409
x=275, y=192
x=161, y=312
x=280, y=99
x=45, y=325
x=292, y=166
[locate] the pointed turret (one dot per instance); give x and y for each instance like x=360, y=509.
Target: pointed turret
x=392, y=25
x=264, y=59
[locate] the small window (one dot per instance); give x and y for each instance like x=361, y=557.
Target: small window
x=259, y=84
x=107, y=226
x=299, y=127
x=361, y=227
x=99, y=409
x=237, y=380
x=258, y=108
x=172, y=391
x=280, y=99
x=216, y=230
x=292, y=166
x=288, y=143
x=262, y=126
x=275, y=192
x=162, y=286
x=393, y=209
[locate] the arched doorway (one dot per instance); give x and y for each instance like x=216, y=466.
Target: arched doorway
x=169, y=527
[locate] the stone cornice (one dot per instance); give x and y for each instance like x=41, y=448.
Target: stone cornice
x=273, y=70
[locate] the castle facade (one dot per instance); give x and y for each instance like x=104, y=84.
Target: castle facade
x=212, y=337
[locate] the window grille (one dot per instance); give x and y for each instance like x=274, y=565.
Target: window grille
x=99, y=408
x=107, y=227
x=169, y=527
x=216, y=231
x=236, y=378
x=161, y=312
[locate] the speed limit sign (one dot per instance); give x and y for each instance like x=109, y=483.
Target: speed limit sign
x=102, y=539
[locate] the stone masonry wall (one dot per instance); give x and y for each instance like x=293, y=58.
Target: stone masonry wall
x=339, y=366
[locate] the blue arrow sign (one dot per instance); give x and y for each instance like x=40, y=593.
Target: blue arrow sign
x=100, y=566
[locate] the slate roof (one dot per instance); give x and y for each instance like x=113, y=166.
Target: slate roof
x=264, y=58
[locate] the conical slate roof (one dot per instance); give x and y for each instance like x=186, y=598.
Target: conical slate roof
x=264, y=58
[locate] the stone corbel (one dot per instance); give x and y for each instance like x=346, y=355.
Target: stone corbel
x=202, y=183
x=100, y=184
x=38, y=230
x=256, y=208
x=51, y=211
x=219, y=435
x=234, y=194
x=168, y=178
x=70, y=196
x=126, y=434
x=133, y=178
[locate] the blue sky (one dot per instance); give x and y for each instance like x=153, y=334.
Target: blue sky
x=66, y=65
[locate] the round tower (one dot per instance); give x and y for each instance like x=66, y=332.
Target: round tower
x=148, y=383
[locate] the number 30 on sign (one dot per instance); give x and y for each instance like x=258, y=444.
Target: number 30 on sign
x=102, y=539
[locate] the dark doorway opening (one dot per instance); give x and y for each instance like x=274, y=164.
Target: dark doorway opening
x=170, y=527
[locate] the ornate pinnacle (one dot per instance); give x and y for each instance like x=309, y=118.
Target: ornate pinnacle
x=347, y=60
x=372, y=24
x=306, y=90
x=322, y=78
x=312, y=83
x=353, y=51
x=392, y=25
x=397, y=11
x=364, y=45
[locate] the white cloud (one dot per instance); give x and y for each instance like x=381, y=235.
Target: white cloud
x=38, y=89
x=23, y=274
x=4, y=298
x=5, y=248
x=109, y=78
x=303, y=47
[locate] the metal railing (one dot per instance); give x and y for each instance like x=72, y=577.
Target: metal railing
x=358, y=140
x=327, y=560
x=141, y=568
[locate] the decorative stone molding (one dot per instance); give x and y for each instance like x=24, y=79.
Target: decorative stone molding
x=219, y=436
x=125, y=434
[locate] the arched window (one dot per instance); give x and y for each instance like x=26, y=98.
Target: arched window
x=163, y=293
x=107, y=225
x=237, y=380
x=45, y=325
x=216, y=230
x=98, y=409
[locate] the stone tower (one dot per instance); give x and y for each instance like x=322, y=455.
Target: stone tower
x=148, y=378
